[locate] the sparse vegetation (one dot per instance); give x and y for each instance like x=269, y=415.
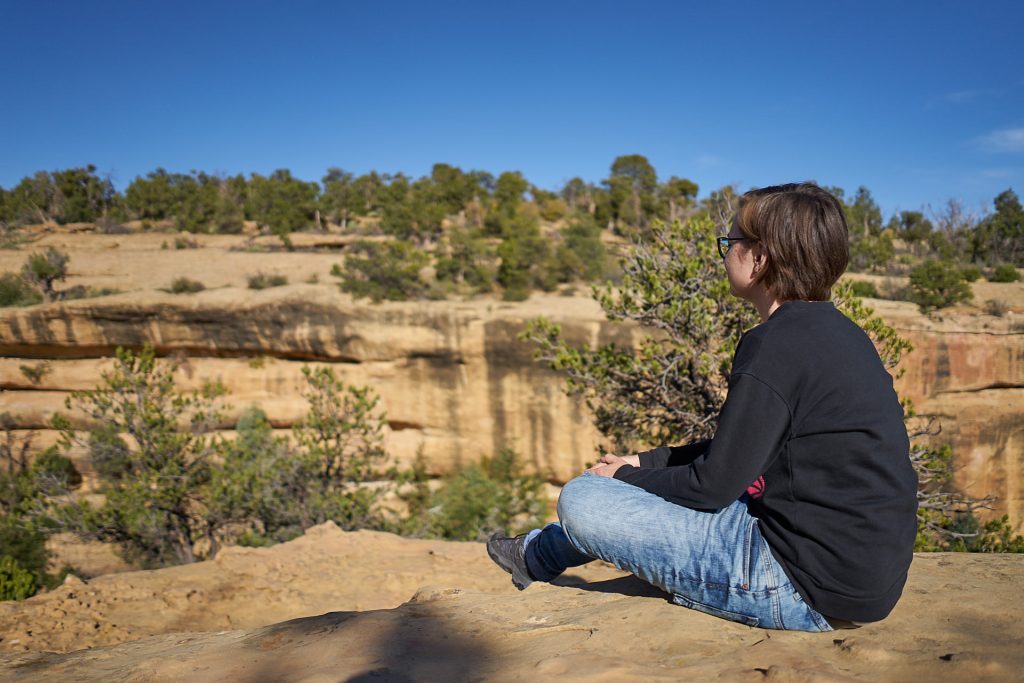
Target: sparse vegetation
x=16, y=291
x=184, y=285
x=480, y=230
x=42, y=269
x=266, y=280
x=35, y=373
x=174, y=492
x=996, y=307
x=475, y=501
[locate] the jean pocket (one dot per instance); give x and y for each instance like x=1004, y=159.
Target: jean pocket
x=715, y=611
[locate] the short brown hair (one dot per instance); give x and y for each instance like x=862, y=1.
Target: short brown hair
x=802, y=229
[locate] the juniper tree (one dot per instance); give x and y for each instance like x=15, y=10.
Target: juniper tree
x=151, y=447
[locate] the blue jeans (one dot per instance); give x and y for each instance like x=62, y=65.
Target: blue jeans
x=713, y=562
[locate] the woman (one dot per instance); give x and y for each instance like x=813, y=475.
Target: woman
x=800, y=513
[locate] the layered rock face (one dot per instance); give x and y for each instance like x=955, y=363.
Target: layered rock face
x=967, y=372
x=455, y=381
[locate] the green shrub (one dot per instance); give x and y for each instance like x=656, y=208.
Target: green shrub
x=42, y=269
x=966, y=533
x=183, y=285
x=23, y=541
x=864, y=289
x=937, y=284
x=35, y=373
x=517, y=292
x=673, y=282
x=970, y=273
x=525, y=258
x=15, y=583
x=152, y=453
x=871, y=252
x=553, y=209
x=25, y=485
x=276, y=488
x=477, y=500
x=265, y=281
x=383, y=270
x=996, y=307
x=1004, y=272
x=83, y=292
x=16, y=291
x=257, y=482
x=175, y=493
x=581, y=255
x=465, y=262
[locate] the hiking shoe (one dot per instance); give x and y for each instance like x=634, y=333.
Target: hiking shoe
x=510, y=555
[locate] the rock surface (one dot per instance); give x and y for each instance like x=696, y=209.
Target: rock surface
x=222, y=620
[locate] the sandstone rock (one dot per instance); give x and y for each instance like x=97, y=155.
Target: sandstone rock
x=957, y=620
x=325, y=569
x=453, y=376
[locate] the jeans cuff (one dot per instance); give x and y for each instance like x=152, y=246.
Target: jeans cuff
x=534, y=564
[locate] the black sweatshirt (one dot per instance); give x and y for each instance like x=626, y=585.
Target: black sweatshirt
x=813, y=431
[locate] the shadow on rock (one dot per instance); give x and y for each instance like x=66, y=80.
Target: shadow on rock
x=418, y=641
x=624, y=585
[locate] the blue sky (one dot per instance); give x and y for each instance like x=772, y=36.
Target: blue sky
x=919, y=101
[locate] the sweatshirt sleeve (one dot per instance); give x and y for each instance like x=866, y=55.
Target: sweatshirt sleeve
x=752, y=429
x=673, y=456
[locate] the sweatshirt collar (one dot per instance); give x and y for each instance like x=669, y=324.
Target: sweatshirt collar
x=796, y=306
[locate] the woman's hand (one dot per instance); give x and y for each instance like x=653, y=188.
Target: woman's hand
x=609, y=464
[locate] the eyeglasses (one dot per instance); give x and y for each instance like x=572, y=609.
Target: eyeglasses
x=725, y=243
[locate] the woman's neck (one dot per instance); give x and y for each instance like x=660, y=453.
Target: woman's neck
x=765, y=303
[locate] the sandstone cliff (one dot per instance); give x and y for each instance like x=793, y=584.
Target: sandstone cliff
x=453, y=376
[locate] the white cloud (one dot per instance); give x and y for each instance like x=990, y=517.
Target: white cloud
x=961, y=96
x=997, y=173
x=1004, y=140
x=710, y=161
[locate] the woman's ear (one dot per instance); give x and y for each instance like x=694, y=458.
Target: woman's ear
x=760, y=257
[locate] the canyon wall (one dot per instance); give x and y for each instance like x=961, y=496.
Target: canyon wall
x=455, y=381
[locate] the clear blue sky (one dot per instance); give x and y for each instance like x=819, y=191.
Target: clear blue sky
x=919, y=101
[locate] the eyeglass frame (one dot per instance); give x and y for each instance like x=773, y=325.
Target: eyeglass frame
x=727, y=241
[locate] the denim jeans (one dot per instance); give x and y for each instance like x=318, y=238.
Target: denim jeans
x=713, y=562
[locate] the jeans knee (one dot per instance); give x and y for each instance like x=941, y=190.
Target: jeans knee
x=575, y=500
